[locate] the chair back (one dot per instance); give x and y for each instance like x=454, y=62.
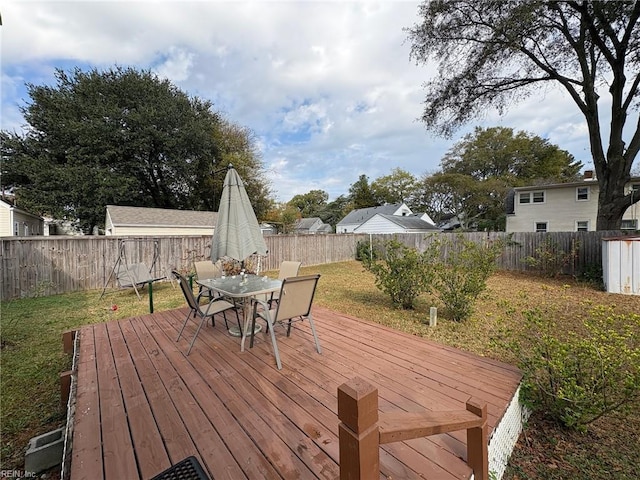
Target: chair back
x=186, y=291
x=288, y=269
x=296, y=296
x=207, y=269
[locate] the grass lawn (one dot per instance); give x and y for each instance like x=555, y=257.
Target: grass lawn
x=32, y=358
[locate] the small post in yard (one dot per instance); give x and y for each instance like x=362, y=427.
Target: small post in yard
x=433, y=316
x=359, y=436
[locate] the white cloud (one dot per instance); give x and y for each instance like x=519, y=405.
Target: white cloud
x=177, y=65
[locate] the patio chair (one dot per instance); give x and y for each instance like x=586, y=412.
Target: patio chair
x=216, y=305
x=294, y=304
x=288, y=269
x=207, y=269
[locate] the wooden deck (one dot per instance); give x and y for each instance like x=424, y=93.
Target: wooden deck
x=141, y=405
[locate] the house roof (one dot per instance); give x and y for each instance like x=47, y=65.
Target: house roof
x=131, y=216
x=579, y=183
x=306, y=223
x=363, y=214
x=410, y=222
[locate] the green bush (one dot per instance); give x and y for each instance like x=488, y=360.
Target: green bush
x=550, y=260
x=579, y=376
x=592, y=274
x=401, y=272
x=364, y=252
x=462, y=275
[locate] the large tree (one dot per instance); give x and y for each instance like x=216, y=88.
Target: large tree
x=238, y=146
x=493, y=53
x=310, y=204
x=479, y=170
x=397, y=187
x=361, y=195
x=120, y=136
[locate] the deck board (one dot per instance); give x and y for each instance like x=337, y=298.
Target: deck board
x=141, y=400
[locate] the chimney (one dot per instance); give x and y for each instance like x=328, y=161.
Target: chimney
x=589, y=175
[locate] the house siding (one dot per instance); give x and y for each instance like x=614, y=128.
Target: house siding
x=561, y=209
x=27, y=224
x=6, y=228
x=141, y=230
x=378, y=224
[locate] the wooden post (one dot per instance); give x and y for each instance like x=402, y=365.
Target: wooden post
x=68, y=338
x=65, y=389
x=433, y=316
x=358, y=430
x=477, y=448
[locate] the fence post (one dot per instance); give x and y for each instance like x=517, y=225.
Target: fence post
x=358, y=430
x=477, y=449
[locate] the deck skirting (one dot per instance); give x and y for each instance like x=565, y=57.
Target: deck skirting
x=505, y=435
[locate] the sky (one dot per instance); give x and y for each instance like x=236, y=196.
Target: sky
x=327, y=87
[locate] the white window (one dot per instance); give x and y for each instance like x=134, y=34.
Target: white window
x=525, y=197
x=541, y=226
x=538, y=197
x=582, y=194
x=582, y=225
x=629, y=224
x=16, y=229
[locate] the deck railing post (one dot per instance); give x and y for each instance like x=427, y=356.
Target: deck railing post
x=358, y=430
x=477, y=448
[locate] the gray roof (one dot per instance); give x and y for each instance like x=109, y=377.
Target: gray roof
x=129, y=216
x=306, y=223
x=410, y=222
x=363, y=214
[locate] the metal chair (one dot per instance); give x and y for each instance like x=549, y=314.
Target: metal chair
x=288, y=269
x=294, y=304
x=217, y=305
x=207, y=269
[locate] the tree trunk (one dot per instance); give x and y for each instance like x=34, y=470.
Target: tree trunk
x=612, y=203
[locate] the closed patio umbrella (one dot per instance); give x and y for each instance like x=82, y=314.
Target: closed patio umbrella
x=237, y=234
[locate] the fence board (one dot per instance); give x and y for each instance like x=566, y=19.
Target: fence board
x=53, y=265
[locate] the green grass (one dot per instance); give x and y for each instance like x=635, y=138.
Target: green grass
x=31, y=357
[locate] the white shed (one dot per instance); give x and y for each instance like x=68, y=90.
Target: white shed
x=621, y=264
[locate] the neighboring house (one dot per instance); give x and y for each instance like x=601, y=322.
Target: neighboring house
x=382, y=223
x=390, y=218
x=563, y=207
x=15, y=222
x=311, y=226
x=449, y=223
x=140, y=221
x=268, y=229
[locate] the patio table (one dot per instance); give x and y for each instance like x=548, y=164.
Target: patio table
x=242, y=289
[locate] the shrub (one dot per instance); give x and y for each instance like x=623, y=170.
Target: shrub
x=550, y=259
x=462, y=276
x=401, y=272
x=364, y=252
x=593, y=275
x=579, y=376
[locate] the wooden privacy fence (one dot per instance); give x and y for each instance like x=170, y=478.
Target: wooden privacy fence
x=52, y=265
x=37, y=266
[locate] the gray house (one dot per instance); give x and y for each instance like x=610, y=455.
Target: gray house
x=311, y=226
x=391, y=218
